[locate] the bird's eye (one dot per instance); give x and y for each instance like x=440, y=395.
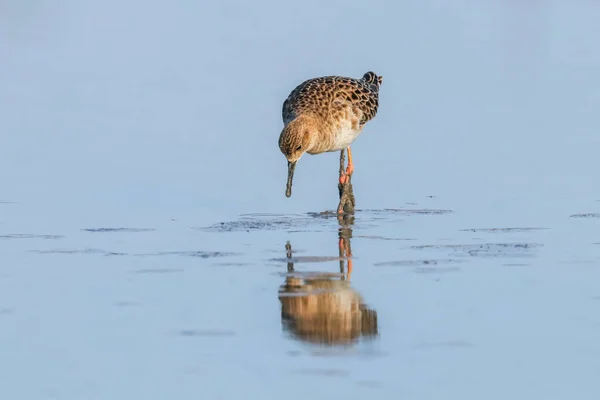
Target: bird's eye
x=298, y=148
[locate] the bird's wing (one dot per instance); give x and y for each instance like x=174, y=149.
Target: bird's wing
x=323, y=95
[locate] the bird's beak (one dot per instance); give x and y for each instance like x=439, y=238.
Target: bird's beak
x=291, y=167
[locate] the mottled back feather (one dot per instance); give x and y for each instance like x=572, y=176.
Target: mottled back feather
x=335, y=95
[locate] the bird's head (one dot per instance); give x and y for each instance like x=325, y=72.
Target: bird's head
x=296, y=138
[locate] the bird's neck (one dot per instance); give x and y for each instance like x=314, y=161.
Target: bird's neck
x=321, y=135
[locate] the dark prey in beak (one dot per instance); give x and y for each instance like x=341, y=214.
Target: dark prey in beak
x=291, y=167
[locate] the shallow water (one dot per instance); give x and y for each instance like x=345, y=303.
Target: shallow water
x=148, y=251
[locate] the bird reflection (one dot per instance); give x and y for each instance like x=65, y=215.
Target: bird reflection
x=322, y=308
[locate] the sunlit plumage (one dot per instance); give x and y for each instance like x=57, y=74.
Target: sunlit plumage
x=327, y=114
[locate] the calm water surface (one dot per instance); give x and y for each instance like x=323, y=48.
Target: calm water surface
x=148, y=251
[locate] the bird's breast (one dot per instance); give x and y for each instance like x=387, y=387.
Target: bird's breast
x=335, y=137
x=345, y=133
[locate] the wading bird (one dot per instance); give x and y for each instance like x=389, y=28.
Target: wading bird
x=327, y=114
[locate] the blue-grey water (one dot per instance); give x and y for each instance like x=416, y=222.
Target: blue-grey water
x=143, y=222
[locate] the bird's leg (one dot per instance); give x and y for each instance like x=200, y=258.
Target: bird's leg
x=346, y=205
x=350, y=168
x=345, y=175
x=342, y=168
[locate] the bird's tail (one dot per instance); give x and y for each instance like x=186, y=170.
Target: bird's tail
x=373, y=79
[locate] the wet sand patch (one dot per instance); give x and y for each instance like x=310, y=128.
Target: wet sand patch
x=309, y=259
x=125, y=230
x=199, y=254
x=313, y=221
x=436, y=270
x=270, y=215
x=375, y=237
x=414, y=263
x=586, y=215
x=30, y=236
x=260, y=222
x=502, y=230
x=386, y=211
x=487, y=249
x=311, y=230
x=414, y=211
x=78, y=251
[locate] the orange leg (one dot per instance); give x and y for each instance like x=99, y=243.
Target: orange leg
x=349, y=170
x=349, y=267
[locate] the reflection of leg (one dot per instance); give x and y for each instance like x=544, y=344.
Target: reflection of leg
x=349, y=267
x=288, y=253
x=342, y=246
x=349, y=255
x=345, y=252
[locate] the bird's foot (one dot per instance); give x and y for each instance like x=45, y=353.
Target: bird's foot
x=347, y=202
